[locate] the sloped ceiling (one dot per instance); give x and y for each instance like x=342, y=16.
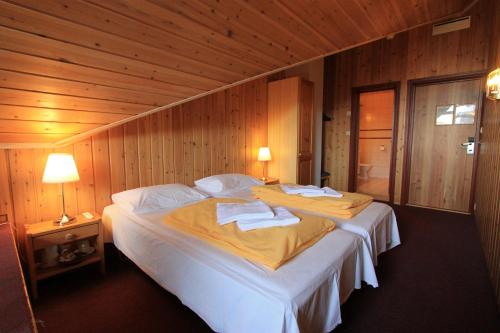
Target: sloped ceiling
x=69, y=67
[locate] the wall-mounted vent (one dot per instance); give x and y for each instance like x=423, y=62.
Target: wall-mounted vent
x=451, y=25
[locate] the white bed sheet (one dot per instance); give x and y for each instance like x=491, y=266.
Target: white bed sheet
x=235, y=295
x=376, y=224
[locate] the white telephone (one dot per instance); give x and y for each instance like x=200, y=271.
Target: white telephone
x=88, y=215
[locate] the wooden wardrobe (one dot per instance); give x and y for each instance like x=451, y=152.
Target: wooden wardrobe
x=290, y=130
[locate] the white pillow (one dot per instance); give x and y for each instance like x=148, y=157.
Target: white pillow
x=153, y=198
x=226, y=183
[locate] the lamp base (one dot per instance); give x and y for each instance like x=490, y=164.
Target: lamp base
x=64, y=219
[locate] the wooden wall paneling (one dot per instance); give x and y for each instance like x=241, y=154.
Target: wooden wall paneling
x=247, y=103
x=157, y=130
x=168, y=146
x=24, y=193
x=85, y=191
x=49, y=195
x=60, y=29
x=26, y=81
x=187, y=140
x=217, y=127
x=97, y=68
x=13, y=112
x=101, y=157
x=144, y=150
x=175, y=145
x=144, y=34
x=487, y=194
x=131, y=151
x=249, y=98
x=206, y=129
x=244, y=128
x=20, y=126
x=118, y=178
x=6, y=192
x=178, y=155
x=181, y=25
x=241, y=128
x=132, y=56
x=37, y=99
x=409, y=55
x=198, y=112
x=251, y=40
x=261, y=121
x=231, y=123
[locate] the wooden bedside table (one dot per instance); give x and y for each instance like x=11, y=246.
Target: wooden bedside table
x=40, y=236
x=271, y=181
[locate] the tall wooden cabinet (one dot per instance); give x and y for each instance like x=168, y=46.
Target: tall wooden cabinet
x=290, y=130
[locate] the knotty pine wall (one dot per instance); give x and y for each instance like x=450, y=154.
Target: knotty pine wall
x=410, y=55
x=487, y=212
x=219, y=133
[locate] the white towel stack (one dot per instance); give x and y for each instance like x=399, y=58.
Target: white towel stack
x=254, y=215
x=300, y=189
x=283, y=218
x=311, y=191
x=231, y=212
x=325, y=192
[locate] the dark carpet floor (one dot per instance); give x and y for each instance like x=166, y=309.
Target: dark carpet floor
x=436, y=281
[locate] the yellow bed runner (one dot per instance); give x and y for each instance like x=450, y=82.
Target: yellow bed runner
x=346, y=207
x=271, y=247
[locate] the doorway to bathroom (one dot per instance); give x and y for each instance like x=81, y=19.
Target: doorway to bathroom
x=373, y=132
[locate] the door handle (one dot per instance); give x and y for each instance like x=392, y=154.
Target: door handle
x=469, y=146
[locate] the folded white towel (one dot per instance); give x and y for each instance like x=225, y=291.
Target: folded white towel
x=283, y=218
x=326, y=192
x=299, y=189
x=230, y=212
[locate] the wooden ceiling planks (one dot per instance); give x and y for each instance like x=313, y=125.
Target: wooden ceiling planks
x=67, y=67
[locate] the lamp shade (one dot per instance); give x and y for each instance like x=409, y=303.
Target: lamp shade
x=264, y=154
x=60, y=168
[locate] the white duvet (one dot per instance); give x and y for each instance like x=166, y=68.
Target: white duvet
x=235, y=295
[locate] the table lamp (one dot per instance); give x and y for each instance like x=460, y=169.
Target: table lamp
x=60, y=169
x=264, y=156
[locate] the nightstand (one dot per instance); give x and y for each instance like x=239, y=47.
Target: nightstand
x=271, y=181
x=45, y=238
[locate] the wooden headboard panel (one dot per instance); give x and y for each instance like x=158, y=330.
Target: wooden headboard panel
x=218, y=133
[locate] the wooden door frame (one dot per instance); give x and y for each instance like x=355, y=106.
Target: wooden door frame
x=354, y=141
x=409, y=120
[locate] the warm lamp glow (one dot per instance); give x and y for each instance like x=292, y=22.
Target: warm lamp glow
x=60, y=168
x=264, y=154
x=492, y=85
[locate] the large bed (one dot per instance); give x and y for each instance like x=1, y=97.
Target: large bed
x=232, y=294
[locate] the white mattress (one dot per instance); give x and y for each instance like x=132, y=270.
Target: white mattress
x=376, y=224
x=235, y=295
